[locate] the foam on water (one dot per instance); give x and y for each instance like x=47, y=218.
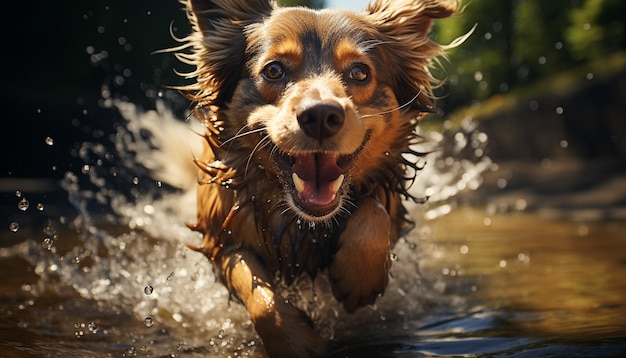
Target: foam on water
x=134, y=194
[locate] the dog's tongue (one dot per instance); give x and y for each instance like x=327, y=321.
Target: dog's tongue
x=317, y=179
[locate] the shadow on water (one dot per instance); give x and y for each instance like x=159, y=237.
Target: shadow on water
x=108, y=273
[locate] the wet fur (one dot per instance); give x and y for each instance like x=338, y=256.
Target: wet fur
x=254, y=230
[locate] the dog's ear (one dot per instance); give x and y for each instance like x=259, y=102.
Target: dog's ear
x=404, y=26
x=218, y=44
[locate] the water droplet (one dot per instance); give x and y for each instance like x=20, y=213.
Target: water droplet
x=18, y=193
x=47, y=243
x=40, y=206
x=523, y=257
x=93, y=327
x=148, y=290
x=50, y=229
x=170, y=276
x=49, y=141
x=148, y=321
x=135, y=180
x=464, y=249
x=23, y=204
x=14, y=226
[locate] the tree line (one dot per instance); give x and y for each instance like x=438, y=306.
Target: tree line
x=516, y=42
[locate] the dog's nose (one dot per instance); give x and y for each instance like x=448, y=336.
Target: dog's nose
x=321, y=120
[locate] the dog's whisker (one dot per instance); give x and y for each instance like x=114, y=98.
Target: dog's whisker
x=238, y=135
x=279, y=204
x=394, y=109
x=262, y=143
x=241, y=134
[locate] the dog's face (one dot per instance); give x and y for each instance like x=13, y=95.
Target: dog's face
x=316, y=73
x=336, y=95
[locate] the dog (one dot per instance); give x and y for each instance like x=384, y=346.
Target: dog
x=309, y=117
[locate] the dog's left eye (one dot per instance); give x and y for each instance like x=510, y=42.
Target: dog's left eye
x=273, y=71
x=359, y=73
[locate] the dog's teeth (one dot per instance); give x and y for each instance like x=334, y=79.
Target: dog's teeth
x=335, y=185
x=299, y=183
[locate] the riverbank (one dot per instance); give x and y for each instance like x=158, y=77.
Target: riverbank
x=559, y=146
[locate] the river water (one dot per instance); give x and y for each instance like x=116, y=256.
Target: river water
x=97, y=267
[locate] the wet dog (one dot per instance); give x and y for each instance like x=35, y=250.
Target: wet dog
x=309, y=118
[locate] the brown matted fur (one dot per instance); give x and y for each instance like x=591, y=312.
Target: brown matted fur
x=309, y=117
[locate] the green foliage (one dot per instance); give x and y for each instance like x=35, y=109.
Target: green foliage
x=537, y=42
x=477, y=67
x=519, y=42
x=307, y=3
x=596, y=28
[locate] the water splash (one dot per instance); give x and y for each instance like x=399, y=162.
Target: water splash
x=456, y=165
x=130, y=251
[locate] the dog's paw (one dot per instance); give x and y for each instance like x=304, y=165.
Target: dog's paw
x=358, y=278
x=359, y=272
x=290, y=333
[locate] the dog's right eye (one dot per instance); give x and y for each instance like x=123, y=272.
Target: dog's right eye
x=359, y=73
x=273, y=71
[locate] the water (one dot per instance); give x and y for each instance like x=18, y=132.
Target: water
x=106, y=272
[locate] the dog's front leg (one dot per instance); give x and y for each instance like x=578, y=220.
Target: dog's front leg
x=359, y=272
x=285, y=330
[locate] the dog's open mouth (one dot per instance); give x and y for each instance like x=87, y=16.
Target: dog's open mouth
x=316, y=182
